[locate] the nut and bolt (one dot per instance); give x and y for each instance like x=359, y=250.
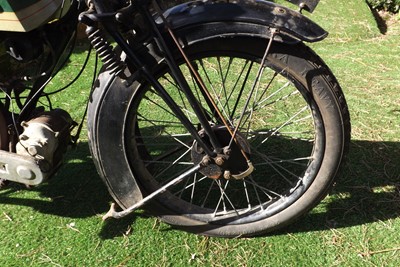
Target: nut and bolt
x=205, y=161
x=227, y=151
x=219, y=160
x=227, y=174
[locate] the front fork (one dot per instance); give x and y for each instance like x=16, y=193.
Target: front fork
x=213, y=149
x=111, y=21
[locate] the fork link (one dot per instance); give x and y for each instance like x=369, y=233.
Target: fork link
x=111, y=60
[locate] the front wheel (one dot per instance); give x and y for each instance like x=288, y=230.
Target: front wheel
x=295, y=131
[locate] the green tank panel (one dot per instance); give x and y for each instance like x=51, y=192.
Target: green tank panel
x=26, y=15
x=15, y=5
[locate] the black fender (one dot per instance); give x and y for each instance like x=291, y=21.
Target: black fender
x=259, y=14
x=105, y=123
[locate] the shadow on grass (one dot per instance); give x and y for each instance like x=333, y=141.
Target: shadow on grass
x=76, y=190
x=367, y=190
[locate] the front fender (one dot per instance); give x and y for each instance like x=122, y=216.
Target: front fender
x=292, y=25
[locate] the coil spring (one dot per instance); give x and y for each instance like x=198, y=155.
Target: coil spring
x=110, y=60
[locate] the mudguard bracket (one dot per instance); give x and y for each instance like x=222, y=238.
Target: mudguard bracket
x=308, y=5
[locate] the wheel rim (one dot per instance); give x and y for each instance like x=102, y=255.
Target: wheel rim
x=282, y=115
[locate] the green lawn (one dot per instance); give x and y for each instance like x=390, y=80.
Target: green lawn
x=59, y=223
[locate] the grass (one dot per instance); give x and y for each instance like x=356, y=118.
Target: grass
x=58, y=223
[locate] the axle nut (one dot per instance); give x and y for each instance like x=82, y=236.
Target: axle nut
x=25, y=173
x=219, y=161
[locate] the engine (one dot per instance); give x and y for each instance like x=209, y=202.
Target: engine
x=45, y=138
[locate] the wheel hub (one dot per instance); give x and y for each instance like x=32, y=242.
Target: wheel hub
x=230, y=161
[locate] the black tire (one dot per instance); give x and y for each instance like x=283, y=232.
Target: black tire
x=296, y=133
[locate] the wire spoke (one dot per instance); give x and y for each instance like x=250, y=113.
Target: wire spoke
x=173, y=163
x=275, y=166
x=296, y=161
x=288, y=122
x=222, y=199
x=174, y=137
x=264, y=190
x=192, y=185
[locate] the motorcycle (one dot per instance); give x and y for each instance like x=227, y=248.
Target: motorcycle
x=212, y=114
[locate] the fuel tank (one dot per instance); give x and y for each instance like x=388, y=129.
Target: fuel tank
x=26, y=15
